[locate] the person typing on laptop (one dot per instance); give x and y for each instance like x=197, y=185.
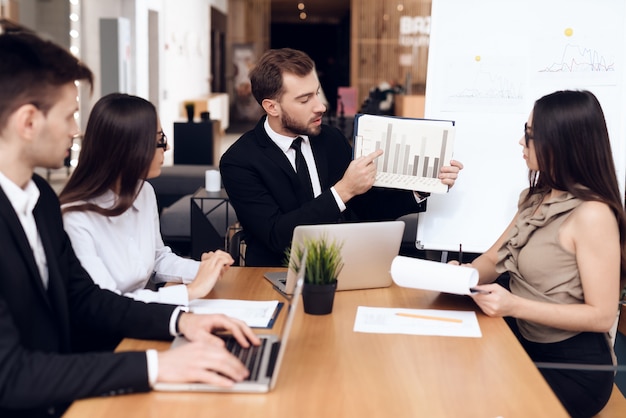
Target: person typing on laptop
x=46, y=297
x=292, y=170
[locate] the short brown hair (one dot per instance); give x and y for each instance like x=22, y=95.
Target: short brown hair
x=267, y=76
x=32, y=70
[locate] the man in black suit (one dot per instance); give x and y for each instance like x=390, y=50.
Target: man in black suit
x=259, y=169
x=46, y=297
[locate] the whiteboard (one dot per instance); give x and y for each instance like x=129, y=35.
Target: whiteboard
x=489, y=60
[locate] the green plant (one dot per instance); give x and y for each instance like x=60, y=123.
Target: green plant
x=323, y=260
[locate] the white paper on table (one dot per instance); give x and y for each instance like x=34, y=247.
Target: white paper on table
x=417, y=322
x=432, y=275
x=254, y=313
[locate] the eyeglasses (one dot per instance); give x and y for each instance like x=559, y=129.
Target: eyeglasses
x=528, y=135
x=162, y=142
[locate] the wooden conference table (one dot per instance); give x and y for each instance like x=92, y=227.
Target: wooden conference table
x=331, y=371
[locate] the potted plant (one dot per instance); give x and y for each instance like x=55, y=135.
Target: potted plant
x=323, y=264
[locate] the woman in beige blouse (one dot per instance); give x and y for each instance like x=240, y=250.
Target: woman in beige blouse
x=563, y=251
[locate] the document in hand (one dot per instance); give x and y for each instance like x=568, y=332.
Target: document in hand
x=432, y=275
x=414, y=150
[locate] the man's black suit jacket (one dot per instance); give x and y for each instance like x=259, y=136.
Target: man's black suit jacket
x=266, y=194
x=39, y=373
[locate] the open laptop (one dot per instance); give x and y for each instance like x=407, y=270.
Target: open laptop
x=367, y=252
x=264, y=371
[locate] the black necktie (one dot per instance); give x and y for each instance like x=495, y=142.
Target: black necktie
x=302, y=169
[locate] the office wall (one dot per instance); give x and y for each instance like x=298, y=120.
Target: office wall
x=389, y=42
x=49, y=18
x=184, y=52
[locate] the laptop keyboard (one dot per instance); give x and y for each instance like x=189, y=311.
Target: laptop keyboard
x=250, y=357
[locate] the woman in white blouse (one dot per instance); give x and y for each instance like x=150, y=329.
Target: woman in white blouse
x=110, y=213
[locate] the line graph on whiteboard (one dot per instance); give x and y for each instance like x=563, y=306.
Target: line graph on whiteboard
x=484, y=83
x=576, y=53
x=577, y=58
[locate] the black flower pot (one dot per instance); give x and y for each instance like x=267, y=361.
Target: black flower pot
x=191, y=110
x=318, y=298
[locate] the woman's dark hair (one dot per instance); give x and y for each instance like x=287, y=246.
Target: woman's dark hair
x=117, y=150
x=573, y=152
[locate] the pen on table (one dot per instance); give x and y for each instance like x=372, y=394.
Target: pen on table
x=460, y=254
x=434, y=318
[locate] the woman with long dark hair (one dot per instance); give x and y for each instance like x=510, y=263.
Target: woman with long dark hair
x=564, y=252
x=110, y=211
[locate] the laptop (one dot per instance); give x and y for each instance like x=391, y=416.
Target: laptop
x=263, y=361
x=367, y=252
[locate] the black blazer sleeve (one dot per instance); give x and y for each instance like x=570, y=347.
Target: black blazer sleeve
x=38, y=369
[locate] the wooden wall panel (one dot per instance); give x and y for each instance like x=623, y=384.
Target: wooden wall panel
x=378, y=52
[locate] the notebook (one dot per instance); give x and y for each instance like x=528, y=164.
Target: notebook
x=269, y=355
x=367, y=252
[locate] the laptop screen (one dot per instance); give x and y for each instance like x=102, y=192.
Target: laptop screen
x=291, y=313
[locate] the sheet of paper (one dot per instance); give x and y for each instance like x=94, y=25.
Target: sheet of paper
x=255, y=313
x=417, y=322
x=414, y=150
x=433, y=275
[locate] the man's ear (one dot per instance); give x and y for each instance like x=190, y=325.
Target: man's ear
x=270, y=106
x=26, y=120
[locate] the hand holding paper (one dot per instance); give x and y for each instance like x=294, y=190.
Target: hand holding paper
x=432, y=275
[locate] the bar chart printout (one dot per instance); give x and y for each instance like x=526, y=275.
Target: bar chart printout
x=413, y=150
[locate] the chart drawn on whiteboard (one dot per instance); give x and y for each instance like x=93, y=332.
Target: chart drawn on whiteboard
x=576, y=53
x=414, y=150
x=483, y=83
x=577, y=58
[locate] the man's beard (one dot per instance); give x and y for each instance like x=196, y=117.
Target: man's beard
x=296, y=128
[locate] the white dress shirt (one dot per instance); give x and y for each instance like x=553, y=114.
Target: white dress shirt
x=121, y=253
x=284, y=143
x=23, y=202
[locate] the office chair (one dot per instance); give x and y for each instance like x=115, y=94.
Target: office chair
x=237, y=248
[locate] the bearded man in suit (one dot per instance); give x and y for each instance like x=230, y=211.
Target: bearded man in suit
x=260, y=175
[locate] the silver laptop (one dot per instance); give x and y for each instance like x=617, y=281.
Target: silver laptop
x=367, y=252
x=263, y=371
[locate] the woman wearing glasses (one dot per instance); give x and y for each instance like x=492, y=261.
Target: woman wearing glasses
x=110, y=212
x=564, y=252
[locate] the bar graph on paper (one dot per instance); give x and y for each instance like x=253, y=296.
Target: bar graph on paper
x=414, y=150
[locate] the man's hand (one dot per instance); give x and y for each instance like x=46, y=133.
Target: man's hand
x=196, y=327
x=359, y=177
x=212, y=267
x=206, y=359
x=200, y=362
x=449, y=173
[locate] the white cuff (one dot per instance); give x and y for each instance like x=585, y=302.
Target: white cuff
x=152, y=359
x=174, y=317
x=340, y=204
